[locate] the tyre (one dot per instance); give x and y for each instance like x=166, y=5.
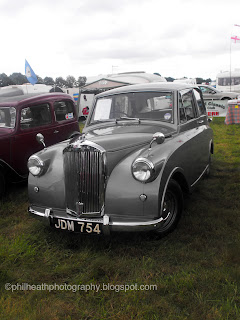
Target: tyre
x=2, y=185
x=172, y=208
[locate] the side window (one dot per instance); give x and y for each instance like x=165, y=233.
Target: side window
x=204, y=89
x=186, y=106
x=64, y=110
x=35, y=116
x=200, y=102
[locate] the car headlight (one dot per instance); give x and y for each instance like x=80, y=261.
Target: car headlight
x=142, y=169
x=35, y=165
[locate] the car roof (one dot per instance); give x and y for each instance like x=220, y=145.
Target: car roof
x=31, y=98
x=152, y=86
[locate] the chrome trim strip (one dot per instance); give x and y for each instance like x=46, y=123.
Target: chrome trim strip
x=153, y=223
x=200, y=176
x=37, y=213
x=166, y=185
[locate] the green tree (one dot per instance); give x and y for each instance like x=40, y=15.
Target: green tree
x=5, y=80
x=18, y=78
x=48, y=81
x=60, y=82
x=39, y=80
x=81, y=81
x=71, y=81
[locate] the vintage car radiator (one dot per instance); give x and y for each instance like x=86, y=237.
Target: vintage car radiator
x=84, y=169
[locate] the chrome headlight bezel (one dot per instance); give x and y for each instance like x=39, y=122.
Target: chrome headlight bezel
x=143, y=170
x=35, y=166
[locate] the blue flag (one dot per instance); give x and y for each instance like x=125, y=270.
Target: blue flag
x=29, y=73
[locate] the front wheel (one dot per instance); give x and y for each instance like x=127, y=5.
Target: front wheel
x=172, y=208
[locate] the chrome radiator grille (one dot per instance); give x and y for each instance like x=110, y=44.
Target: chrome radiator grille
x=84, y=179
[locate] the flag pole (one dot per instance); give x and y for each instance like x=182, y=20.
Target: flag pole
x=235, y=25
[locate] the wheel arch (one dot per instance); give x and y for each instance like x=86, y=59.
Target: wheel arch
x=211, y=147
x=225, y=98
x=9, y=172
x=179, y=177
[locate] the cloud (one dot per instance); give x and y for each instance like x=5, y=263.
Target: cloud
x=90, y=36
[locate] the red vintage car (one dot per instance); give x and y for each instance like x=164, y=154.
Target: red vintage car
x=21, y=119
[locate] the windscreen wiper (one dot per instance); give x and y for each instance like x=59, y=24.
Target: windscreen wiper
x=127, y=118
x=102, y=120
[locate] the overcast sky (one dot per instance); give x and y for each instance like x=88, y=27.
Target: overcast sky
x=90, y=37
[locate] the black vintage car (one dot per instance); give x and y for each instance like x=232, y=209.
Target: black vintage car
x=142, y=148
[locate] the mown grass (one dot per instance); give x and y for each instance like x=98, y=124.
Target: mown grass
x=196, y=268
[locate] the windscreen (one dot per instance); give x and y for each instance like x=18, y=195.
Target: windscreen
x=140, y=105
x=7, y=117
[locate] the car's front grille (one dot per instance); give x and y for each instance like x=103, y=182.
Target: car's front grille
x=84, y=168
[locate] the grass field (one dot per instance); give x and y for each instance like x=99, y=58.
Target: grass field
x=196, y=268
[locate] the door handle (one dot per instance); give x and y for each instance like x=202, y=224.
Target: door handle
x=200, y=121
x=56, y=131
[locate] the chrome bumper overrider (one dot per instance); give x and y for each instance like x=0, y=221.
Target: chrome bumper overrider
x=105, y=221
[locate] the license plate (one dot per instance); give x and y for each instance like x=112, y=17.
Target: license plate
x=77, y=226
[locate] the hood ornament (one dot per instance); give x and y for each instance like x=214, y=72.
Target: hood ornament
x=80, y=139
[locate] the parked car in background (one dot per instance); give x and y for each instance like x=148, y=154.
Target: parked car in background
x=21, y=119
x=210, y=92
x=142, y=148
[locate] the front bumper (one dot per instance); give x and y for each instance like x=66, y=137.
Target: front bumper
x=106, y=223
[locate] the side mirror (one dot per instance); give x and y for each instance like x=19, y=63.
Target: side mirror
x=210, y=120
x=159, y=137
x=40, y=139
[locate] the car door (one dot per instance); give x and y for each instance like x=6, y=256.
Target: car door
x=191, y=128
x=32, y=119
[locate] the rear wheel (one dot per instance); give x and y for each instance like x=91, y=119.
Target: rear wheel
x=172, y=208
x=2, y=184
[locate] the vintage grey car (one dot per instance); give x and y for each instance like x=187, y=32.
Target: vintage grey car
x=143, y=147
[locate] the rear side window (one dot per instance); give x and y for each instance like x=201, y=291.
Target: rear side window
x=35, y=116
x=186, y=107
x=200, y=102
x=64, y=110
